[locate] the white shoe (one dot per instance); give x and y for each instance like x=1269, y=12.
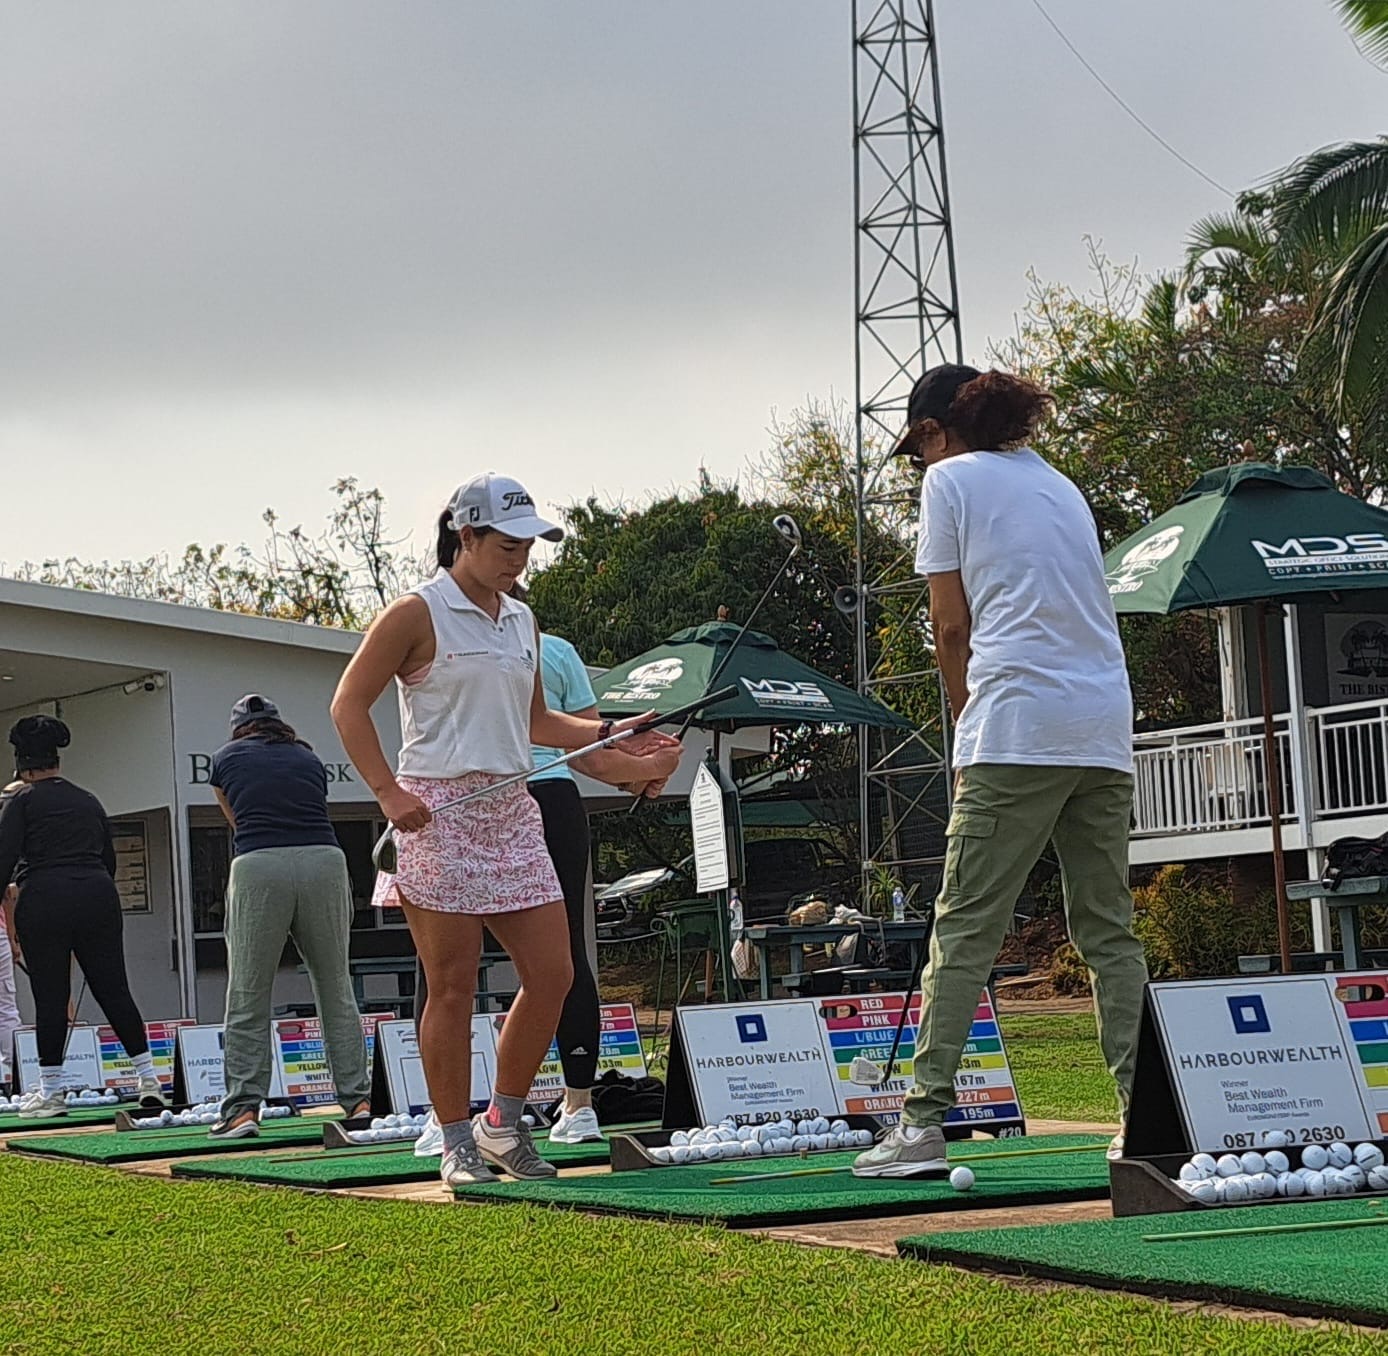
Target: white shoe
x=36, y=1106
x=151, y=1094
x=576, y=1127
x=1115, y=1148
x=430, y=1142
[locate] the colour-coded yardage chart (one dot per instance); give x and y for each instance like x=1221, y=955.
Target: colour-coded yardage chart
x=619, y=1048
x=118, y=1073
x=863, y=1025
x=301, y=1055
x=1365, y=1004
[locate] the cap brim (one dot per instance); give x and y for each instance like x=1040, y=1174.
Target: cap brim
x=530, y=527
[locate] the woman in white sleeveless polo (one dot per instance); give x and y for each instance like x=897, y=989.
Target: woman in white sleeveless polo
x=465, y=659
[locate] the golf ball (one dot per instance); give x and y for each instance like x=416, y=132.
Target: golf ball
x=1315, y=1184
x=1341, y=1155
x=1253, y=1162
x=1290, y=1185
x=752, y=1149
x=1204, y=1164
x=1357, y=1178
x=1276, y=1162
x=1235, y=1190
x=961, y=1178
x=1276, y=1139
x=1378, y=1179
x=1190, y=1173
x=1204, y=1189
x=1227, y=1165
x=1264, y=1185
x=661, y=1153
x=863, y=1138
x=679, y=1139
x=800, y=1144
x=1314, y=1157
x=711, y=1152
x=837, y=1127
x=1368, y=1156
x=746, y=1134
x=1336, y=1184
x=378, y=1123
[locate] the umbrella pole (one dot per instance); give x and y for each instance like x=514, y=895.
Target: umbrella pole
x=1272, y=774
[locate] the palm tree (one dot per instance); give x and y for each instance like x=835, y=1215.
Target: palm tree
x=1367, y=21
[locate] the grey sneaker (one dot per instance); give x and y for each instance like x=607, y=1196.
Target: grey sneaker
x=151, y=1094
x=34, y=1106
x=464, y=1167
x=905, y=1151
x=1115, y=1148
x=510, y=1148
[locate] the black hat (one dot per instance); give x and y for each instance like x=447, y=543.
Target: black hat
x=36, y=741
x=934, y=393
x=252, y=707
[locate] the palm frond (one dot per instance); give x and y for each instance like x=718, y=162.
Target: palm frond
x=1367, y=21
x=1161, y=307
x=1336, y=195
x=1355, y=314
x=1226, y=233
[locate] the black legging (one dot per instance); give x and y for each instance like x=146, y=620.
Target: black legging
x=62, y=914
x=566, y=837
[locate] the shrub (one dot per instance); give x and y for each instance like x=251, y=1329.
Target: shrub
x=1068, y=973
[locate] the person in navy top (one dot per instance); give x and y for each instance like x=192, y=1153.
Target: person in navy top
x=288, y=881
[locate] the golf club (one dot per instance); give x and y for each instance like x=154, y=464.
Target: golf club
x=384, y=855
x=866, y=1073
x=790, y=530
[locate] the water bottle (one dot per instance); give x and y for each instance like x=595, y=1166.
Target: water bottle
x=898, y=906
x=735, y=914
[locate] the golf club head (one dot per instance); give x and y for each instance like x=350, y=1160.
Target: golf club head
x=846, y=599
x=384, y=856
x=865, y=1073
x=788, y=528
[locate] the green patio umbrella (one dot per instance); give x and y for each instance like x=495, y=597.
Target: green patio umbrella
x=773, y=688
x=1259, y=534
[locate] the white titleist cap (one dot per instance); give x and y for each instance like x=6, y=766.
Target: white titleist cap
x=497, y=501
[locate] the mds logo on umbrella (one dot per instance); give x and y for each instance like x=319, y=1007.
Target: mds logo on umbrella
x=775, y=692
x=1356, y=553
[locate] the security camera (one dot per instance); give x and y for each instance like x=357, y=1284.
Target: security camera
x=151, y=682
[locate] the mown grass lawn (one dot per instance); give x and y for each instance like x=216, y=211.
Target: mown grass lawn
x=94, y=1261
x=1059, y=1070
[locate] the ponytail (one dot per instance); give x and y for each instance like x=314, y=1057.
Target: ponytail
x=450, y=543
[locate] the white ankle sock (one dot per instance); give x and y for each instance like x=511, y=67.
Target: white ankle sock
x=144, y=1064
x=50, y=1079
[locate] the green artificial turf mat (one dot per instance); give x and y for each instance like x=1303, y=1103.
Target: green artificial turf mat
x=136, y=1145
x=378, y=1165
x=1332, y=1273
x=92, y=1115
x=685, y=1192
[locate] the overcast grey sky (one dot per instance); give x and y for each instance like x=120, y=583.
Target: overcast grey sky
x=249, y=247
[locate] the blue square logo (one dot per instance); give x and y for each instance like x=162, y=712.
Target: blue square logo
x=751, y=1027
x=1250, y=1016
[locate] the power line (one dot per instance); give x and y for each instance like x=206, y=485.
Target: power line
x=1126, y=107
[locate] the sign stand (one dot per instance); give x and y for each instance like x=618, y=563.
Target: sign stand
x=1221, y=1061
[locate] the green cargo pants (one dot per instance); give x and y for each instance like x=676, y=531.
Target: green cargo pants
x=275, y=894
x=1002, y=820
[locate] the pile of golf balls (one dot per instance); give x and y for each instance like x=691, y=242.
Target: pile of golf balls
x=729, y=1140
x=204, y=1113
x=87, y=1097
x=403, y=1127
x=1336, y=1169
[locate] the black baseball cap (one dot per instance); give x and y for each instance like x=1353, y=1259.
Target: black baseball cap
x=252, y=707
x=934, y=393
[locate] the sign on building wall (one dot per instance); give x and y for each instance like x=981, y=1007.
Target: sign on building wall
x=1356, y=657
x=132, y=864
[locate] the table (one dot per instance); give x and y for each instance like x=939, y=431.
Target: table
x=1345, y=904
x=361, y=966
x=798, y=936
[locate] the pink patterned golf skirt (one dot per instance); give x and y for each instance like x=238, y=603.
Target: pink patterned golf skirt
x=485, y=857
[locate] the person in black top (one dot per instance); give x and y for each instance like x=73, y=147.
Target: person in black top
x=55, y=844
x=288, y=879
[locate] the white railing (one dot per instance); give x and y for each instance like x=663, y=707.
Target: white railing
x=1210, y=778
x=1207, y=778
x=1348, y=745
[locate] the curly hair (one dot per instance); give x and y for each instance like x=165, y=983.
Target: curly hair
x=996, y=411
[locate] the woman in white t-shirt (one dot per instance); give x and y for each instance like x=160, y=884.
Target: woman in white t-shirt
x=464, y=657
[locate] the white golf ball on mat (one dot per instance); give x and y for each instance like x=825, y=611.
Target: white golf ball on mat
x=1340, y=1154
x=1315, y=1183
x=1228, y=1165
x=1235, y=1190
x=1265, y=1185
x=1204, y=1189
x=1378, y=1178
x=1276, y=1162
x=1252, y=1162
x=1355, y=1176
x=1276, y=1139
x=961, y=1178
x=1290, y=1185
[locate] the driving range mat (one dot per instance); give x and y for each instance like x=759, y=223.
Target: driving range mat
x=687, y=1191
x=1330, y=1273
x=376, y=1165
x=90, y=1115
x=136, y=1145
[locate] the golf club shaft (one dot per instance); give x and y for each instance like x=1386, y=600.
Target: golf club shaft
x=731, y=650
x=708, y=699
x=1308, y=1226
x=905, y=1010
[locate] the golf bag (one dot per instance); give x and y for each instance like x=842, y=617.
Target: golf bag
x=1351, y=858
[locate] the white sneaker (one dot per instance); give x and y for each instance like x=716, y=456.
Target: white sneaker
x=35, y=1106
x=151, y=1094
x=1115, y=1148
x=576, y=1127
x=430, y=1142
